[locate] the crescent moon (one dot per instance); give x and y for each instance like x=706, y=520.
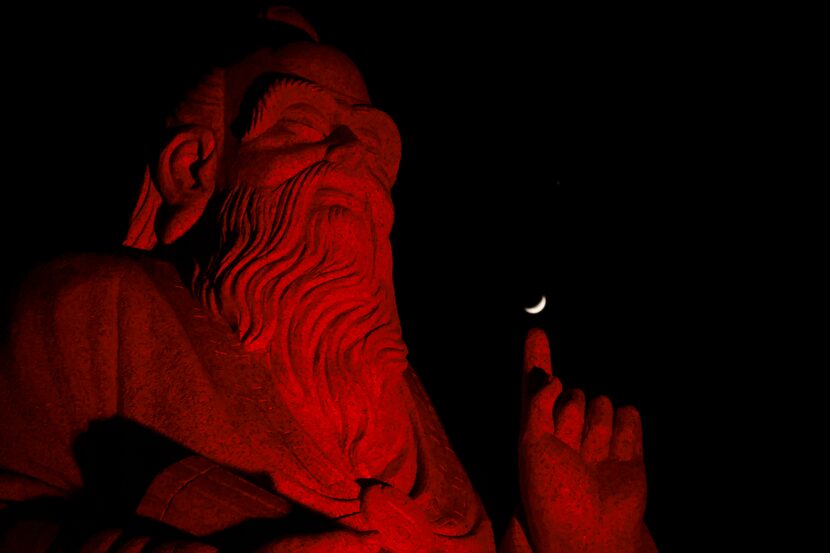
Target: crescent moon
x=537, y=308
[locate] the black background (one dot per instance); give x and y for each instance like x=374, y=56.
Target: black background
x=564, y=154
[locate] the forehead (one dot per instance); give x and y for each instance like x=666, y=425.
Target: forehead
x=322, y=65
x=273, y=93
x=270, y=80
x=275, y=97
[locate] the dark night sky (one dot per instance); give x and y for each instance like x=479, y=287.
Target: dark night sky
x=568, y=155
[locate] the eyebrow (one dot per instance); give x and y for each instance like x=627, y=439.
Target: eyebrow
x=258, y=111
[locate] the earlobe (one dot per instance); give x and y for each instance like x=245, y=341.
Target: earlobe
x=185, y=179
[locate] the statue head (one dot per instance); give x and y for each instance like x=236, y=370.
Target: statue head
x=275, y=179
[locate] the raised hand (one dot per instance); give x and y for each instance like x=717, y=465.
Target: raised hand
x=581, y=467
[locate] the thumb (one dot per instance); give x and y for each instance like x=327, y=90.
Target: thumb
x=539, y=418
x=536, y=370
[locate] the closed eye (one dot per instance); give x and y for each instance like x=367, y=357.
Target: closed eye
x=306, y=114
x=307, y=130
x=333, y=197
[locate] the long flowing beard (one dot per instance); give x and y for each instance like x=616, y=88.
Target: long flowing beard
x=300, y=280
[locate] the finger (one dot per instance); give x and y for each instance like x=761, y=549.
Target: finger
x=599, y=425
x=627, y=441
x=537, y=352
x=540, y=412
x=515, y=539
x=536, y=369
x=569, y=418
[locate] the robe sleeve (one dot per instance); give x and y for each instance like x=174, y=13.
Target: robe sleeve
x=58, y=374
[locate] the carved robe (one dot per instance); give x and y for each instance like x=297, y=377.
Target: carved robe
x=109, y=353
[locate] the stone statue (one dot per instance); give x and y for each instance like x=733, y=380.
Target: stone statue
x=235, y=379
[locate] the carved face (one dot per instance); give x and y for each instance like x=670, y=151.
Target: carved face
x=346, y=154
x=311, y=166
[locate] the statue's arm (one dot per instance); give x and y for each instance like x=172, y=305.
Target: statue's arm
x=57, y=375
x=194, y=506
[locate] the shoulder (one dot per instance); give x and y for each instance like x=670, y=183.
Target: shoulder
x=85, y=280
x=79, y=268
x=96, y=270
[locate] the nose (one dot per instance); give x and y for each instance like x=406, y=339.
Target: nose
x=343, y=145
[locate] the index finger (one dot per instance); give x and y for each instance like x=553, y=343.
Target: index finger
x=536, y=369
x=537, y=352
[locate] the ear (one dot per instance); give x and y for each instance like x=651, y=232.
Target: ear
x=185, y=179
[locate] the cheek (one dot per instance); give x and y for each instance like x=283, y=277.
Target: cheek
x=383, y=216
x=341, y=231
x=345, y=227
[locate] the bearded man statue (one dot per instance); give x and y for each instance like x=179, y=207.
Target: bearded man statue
x=236, y=380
